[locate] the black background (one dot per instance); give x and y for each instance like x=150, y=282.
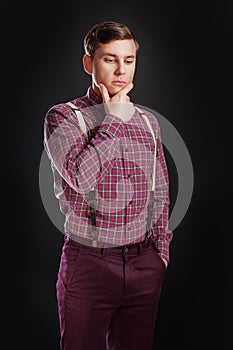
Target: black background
x=184, y=72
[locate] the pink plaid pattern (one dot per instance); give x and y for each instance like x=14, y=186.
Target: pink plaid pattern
x=117, y=160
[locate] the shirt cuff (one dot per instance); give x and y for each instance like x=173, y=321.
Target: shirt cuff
x=162, y=245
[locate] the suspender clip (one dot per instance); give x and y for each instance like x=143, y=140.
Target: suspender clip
x=92, y=203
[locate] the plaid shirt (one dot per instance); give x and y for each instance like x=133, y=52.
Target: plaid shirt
x=117, y=160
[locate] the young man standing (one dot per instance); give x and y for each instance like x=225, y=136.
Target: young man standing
x=112, y=185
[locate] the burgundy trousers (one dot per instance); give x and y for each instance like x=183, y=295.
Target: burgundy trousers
x=108, y=296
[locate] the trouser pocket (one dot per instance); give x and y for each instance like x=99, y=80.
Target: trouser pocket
x=158, y=257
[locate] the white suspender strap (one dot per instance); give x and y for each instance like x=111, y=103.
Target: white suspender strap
x=80, y=119
x=153, y=135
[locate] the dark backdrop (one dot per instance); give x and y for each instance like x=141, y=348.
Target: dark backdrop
x=185, y=73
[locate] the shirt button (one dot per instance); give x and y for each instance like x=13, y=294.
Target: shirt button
x=129, y=175
x=126, y=150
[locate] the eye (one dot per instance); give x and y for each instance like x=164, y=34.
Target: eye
x=129, y=61
x=109, y=60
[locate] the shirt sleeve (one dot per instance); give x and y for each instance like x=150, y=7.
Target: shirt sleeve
x=160, y=217
x=80, y=163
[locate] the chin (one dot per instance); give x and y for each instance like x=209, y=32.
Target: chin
x=113, y=91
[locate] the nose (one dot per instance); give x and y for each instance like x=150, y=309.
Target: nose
x=120, y=69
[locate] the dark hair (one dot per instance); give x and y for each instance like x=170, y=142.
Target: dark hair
x=104, y=33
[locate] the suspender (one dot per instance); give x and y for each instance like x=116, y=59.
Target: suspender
x=80, y=118
x=152, y=191
x=92, y=202
x=153, y=135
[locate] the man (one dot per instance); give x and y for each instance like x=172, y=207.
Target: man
x=115, y=198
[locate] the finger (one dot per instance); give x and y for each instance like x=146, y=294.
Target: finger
x=104, y=93
x=127, y=88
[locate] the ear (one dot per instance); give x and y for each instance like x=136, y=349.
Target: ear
x=87, y=64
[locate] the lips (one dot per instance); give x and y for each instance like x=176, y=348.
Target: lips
x=118, y=83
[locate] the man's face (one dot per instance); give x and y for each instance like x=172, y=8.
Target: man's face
x=113, y=65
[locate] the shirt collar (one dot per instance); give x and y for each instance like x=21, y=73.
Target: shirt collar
x=92, y=96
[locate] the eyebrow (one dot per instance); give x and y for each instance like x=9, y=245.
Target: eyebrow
x=111, y=54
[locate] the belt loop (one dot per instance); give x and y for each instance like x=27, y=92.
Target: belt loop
x=102, y=251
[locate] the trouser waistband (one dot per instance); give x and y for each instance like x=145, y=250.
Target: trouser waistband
x=108, y=248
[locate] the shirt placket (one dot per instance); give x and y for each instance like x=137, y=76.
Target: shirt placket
x=126, y=174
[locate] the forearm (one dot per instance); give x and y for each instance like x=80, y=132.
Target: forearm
x=82, y=165
x=89, y=167
x=163, y=239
